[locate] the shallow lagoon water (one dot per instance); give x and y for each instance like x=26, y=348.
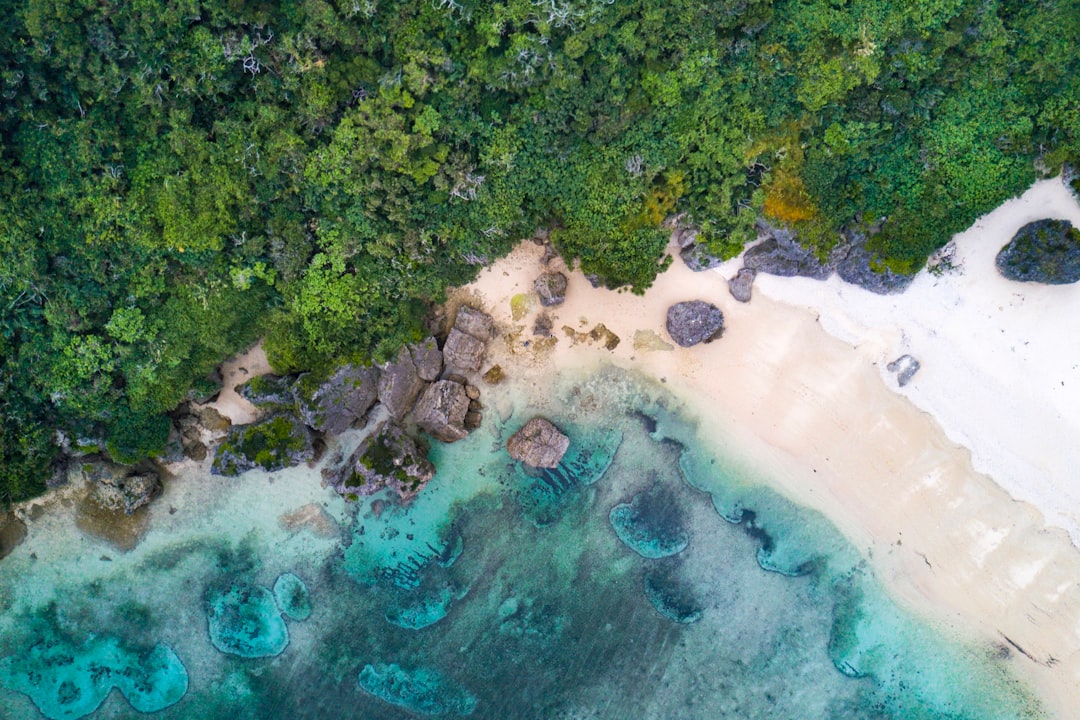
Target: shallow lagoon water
x=502, y=593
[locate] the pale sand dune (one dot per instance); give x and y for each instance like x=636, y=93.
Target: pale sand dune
x=947, y=540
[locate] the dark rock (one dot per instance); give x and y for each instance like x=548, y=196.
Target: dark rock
x=693, y=322
x=454, y=377
x=686, y=237
x=1045, y=251
x=427, y=358
x=269, y=391
x=388, y=457
x=855, y=264
x=335, y=403
x=120, y=487
x=441, y=410
x=473, y=420
x=594, y=280
x=474, y=322
x=197, y=451
x=905, y=366
x=741, y=285
x=542, y=326
x=174, y=447
x=539, y=444
x=274, y=443
x=785, y=258
x=698, y=258
x=551, y=287
x=463, y=351
x=400, y=385
x=12, y=533
x=475, y=406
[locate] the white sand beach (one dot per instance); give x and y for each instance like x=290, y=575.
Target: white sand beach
x=983, y=548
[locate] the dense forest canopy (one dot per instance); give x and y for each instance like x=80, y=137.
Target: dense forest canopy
x=180, y=177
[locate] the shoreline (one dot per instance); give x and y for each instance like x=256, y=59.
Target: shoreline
x=813, y=413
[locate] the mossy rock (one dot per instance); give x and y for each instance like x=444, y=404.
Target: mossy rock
x=1045, y=251
x=278, y=442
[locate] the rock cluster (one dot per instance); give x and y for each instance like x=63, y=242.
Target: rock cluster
x=539, y=444
x=693, y=322
x=120, y=487
x=388, y=457
x=1045, y=251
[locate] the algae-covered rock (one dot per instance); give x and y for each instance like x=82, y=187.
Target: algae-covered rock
x=670, y=596
x=1045, y=251
x=292, y=596
x=388, y=457
x=334, y=404
x=277, y=442
x=270, y=392
x=244, y=620
x=422, y=690
x=693, y=322
x=68, y=681
x=441, y=410
x=539, y=444
x=650, y=524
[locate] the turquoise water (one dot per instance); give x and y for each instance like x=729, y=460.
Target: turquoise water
x=646, y=577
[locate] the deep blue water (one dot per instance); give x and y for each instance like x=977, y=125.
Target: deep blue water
x=646, y=577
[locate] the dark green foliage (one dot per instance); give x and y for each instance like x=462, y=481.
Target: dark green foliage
x=180, y=179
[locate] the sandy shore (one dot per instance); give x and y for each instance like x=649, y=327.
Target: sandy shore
x=947, y=540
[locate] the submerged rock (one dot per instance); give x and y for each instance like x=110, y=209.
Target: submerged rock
x=120, y=487
x=670, y=596
x=441, y=410
x=650, y=525
x=1045, y=251
x=335, y=404
x=422, y=690
x=905, y=366
x=277, y=442
x=539, y=444
x=292, y=596
x=551, y=288
x=244, y=620
x=388, y=457
x=693, y=322
x=742, y=284
x=67, y=681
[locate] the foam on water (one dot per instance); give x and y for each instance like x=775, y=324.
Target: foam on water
x=644, y=577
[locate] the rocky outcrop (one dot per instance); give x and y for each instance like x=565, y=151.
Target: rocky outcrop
x=441, y=410
x=120, y=487
x=693, y=322
x=855, y=264
x=694, y=254
x=539, y=444
x=427, y=358
x=400, y=384
x=551, y=288
x=269, y=391
x=1045, y=251
x=463, y=351
x=782, y=255
x=741, y=286
x=274, y=443
x=388, y=457
x=336, y=403
x=905, y=368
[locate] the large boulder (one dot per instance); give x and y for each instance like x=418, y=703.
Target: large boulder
x=741, y=286
x=474, y=322
x=336, y=403
x=464, y=351
x=693, y=322
x=441, y=410
x=551, y=287
x=698, y=258
x=857, y=265
x=427, y=358
x=400, y=384
x=274, y=443
x=1045, y=251
x=539, y=444
x=388, y=457
x=781, y=255
x=120, y=487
